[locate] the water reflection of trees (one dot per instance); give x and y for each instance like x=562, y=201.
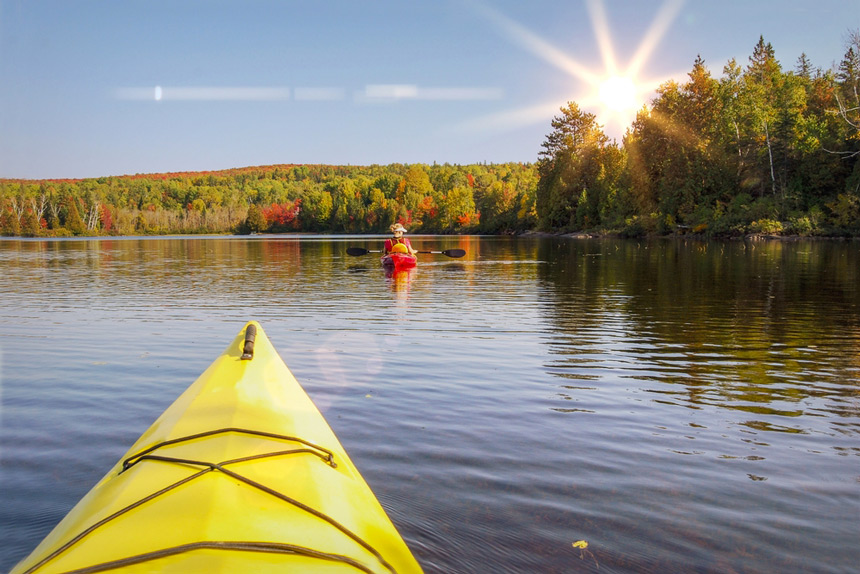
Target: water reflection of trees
x=770, y=328
x=155, y=275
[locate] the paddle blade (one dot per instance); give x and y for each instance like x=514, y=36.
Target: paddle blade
x=454, y=252
x=356, y=251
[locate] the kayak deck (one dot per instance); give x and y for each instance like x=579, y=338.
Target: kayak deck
x=399, y=260
x=240, y=474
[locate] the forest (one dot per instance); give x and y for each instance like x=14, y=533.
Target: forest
x=760, y=150
x=278, y=199
x=757, y=150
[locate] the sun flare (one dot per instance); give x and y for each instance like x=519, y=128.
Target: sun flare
x=616, y=94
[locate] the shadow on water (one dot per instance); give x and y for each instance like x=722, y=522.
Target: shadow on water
x=453, y=268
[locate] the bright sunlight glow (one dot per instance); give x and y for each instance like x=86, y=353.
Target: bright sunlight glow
x=618, y=95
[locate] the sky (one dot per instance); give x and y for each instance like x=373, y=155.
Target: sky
x=93, y=88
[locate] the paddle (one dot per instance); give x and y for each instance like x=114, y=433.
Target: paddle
x=359, y=251
x=448, y=252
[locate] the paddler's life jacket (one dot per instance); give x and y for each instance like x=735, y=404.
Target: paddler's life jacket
x=398, y=243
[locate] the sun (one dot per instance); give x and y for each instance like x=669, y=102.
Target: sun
x=618, y=95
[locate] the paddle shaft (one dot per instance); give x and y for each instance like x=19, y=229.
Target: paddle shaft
x=362, y=251
x=448, y=252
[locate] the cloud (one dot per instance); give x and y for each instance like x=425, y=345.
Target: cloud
x=383, y=93
x=319, y=94
x=204, y=94
x=373, y=93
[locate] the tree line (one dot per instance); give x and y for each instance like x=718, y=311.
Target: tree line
x=760, y=149
x=481, y=198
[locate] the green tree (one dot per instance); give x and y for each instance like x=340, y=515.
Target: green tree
x=317, y=206
x=569, y=164
x=72, y=220
x=378, y=213
x=729, y=95
x=256, y=220
x=848, y=107
x=496, y=205
x=761, y=85
x=30, y=225
x=458, y=211
x=412, y=191
x=848, y=75
x=679, y=157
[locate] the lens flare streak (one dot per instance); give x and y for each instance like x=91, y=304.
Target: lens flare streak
x=616, y=94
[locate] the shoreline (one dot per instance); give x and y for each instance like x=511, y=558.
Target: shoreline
x=527, y=233
x=691, y=236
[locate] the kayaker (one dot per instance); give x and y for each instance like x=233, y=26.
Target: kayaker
x=398, y=230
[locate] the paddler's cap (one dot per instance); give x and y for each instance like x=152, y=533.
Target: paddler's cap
x=397, y=227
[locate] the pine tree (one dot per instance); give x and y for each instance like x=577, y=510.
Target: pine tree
x=804, y=67
x=9, y=224
x=571, y=162
x=256, y=221
x=73, y=221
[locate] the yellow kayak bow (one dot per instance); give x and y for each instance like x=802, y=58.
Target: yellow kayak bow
x=240, y=474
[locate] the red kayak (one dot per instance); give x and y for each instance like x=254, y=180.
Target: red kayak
x=399, y=261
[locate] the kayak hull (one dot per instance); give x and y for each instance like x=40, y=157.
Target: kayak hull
x=399, y=261
x=240, y=474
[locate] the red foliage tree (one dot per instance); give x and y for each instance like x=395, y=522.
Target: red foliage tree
x=283, y=216
x=106, y=218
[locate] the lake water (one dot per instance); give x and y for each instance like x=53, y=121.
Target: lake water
x=681, y=406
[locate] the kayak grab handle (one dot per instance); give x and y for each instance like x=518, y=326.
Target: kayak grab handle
x=248, y=348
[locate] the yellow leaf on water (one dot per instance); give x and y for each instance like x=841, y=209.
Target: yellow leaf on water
x=580, y=544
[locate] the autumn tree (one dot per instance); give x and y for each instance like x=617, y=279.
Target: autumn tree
x=30, y=226
x=9, y=223
x=282, y=217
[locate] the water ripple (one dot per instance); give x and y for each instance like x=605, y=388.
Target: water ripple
x=679, y=407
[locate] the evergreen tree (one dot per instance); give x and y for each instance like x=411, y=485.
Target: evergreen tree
x=570, y=163
x=9, y=224
x=73, y=221
x=804, y=67
x=848, y=94
x=256, y=221
x=848, y=76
